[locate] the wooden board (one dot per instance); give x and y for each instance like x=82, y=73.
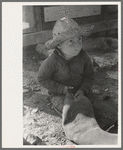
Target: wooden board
x=29, y=23
x=55, y=13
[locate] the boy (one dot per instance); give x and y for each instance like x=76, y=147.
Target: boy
x=69, y=68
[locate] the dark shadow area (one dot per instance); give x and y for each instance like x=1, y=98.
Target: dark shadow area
x=39, y=102
x=31, y=58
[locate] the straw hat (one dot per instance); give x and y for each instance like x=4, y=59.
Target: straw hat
x=64, y=29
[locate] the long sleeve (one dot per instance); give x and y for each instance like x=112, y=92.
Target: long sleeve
x=45, y=74
x=89, y=75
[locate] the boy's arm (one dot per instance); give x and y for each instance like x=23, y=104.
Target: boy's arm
x=88, y=74
x=44, y=77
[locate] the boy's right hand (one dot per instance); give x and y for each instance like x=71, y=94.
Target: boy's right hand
x=65, y=91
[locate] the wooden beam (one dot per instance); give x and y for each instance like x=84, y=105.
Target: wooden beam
x=104, y=25
x=43, y=36
x=37, y=37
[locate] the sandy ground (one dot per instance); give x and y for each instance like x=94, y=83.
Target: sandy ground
x=41, y=124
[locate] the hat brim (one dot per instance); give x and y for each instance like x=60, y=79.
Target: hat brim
x=75, y=32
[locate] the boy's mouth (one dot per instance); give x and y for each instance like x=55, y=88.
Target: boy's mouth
x=76, y=50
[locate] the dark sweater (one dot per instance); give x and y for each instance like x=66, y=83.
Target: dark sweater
x=56, y=72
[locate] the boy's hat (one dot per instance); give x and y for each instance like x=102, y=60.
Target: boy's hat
x=65, y=29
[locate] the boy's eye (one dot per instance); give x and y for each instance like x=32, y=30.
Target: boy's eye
x=70, y=41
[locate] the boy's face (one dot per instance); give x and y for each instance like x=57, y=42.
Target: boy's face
x=72, y=46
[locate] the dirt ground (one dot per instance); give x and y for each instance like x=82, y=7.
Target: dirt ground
x=41, y=124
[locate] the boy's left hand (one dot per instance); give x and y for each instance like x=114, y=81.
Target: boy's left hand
x=79, y=94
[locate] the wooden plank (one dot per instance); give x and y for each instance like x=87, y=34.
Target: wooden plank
x=43, y=36
x=54, y=13
x=35, y=38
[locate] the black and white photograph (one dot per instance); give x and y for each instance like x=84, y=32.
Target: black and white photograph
x=70, y=74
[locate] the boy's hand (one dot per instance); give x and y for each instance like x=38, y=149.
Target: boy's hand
x=65, y=91
x=79, y=94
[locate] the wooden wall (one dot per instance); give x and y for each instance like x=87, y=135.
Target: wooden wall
x=38, y=19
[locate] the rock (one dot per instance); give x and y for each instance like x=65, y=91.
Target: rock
x=25, y=142
x=27, y=93
x=96, y=91
x=106, y=90
x=26, y=89
x=34, y=140
x=113, y=74
x=68, y=142
x=106, y=59
x=44, y=91
x=36, y=89
x=44, y=136
x=24, y=111
x=34, y=110
x=53, y=140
